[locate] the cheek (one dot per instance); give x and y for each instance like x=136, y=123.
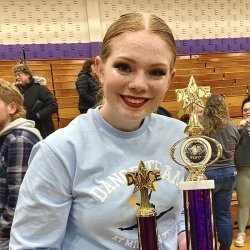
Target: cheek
x=113, y=82
x=246, y=115
x=110, y=87
x=22, y=79
x=161, y=88
x=25, y=79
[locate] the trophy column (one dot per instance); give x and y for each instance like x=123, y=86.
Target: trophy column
x=198, y=207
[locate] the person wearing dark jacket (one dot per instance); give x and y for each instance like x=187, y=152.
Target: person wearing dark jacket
x=163, y=111
x=38, y=100
x=88, y=87
x=242, y=161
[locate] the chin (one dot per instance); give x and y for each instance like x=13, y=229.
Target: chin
x=134, y=116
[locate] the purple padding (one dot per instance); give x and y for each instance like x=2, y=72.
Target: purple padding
x=85, y=50
x=202, y=46
x=49, y=51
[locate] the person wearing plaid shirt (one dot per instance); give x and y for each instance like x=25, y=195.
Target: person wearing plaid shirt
x=17, y=137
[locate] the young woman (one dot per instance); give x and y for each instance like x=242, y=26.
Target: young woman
x=217, y=124
x=242, y=160
x=17, y=138
x=75, y=194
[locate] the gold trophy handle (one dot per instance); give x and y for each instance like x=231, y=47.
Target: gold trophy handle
x=219, y=152
x=172, y=152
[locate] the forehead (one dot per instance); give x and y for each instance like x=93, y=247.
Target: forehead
x=2, y=102
x=19, y=73
x=247, y=104
x=142, y=45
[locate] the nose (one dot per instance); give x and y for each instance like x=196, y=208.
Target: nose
x=139, y=81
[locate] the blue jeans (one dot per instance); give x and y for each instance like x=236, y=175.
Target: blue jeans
x=224, y=179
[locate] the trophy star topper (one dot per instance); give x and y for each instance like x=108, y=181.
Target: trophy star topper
x=192, y=94
x=191, y=97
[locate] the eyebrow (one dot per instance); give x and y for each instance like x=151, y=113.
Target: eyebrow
x=134, y=61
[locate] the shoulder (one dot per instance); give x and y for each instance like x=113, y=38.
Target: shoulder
x=21, y=136
x=69, y=142
x=42, y=89
x=168, y=127
x=84, y=74
x=168, y=122
x=78, y=128
x=233, y=127
x=40, y=80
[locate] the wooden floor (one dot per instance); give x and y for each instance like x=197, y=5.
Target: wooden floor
x=247, y=243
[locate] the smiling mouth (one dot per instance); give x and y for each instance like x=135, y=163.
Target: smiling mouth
x=134, y=102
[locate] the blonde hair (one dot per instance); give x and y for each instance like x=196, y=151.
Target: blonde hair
x=133, y=22
x=216, y=114
x=8, y=94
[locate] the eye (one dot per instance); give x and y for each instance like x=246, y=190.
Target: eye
x=157, y=72
x=123, y=67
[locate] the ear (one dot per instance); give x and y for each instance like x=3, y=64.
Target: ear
x=12, y=108
x=99, y=68
x=173, y=74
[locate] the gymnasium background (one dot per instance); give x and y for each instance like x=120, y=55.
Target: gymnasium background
x=50, y=29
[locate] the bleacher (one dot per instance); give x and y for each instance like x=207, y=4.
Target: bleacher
x=225, y=73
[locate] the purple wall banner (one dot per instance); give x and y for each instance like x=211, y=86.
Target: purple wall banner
x=86, y=50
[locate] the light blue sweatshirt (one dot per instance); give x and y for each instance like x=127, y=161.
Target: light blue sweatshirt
x=75, y=194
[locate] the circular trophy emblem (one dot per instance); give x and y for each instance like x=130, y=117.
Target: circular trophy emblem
x=196, y=151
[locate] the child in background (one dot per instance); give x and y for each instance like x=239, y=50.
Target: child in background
x=17, y=138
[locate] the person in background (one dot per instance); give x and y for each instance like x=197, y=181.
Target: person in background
x=242, y=160
x=17, y=137
x=199, y=111
x=88, y=87
x=217, y=125
x=38, y=100
x=75, y=189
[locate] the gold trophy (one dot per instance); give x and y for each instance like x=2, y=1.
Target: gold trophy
x=143, y=180
x=196, y=152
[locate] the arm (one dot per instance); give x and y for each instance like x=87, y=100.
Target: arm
x=242, y=124
x=181, y=229
x=182, y=244
x=16, y=166
x=49, y=103
x=44, y=202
